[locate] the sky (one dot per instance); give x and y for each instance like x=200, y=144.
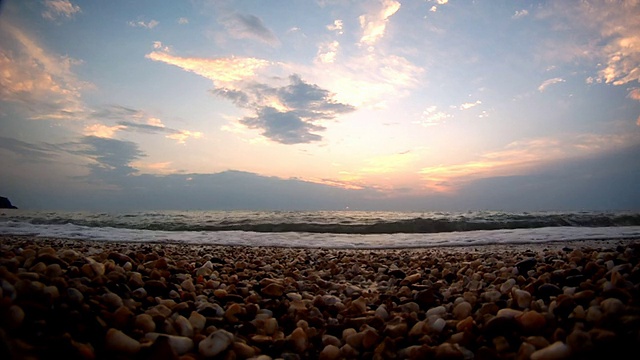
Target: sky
x=327, y=104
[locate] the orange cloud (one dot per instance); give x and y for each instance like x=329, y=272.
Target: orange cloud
x=224, y=70
x=103, y=131
x=42, y=80
x=374, y=25
x=183, y=135
x=519, y=157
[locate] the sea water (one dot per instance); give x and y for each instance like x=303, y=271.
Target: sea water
x=326, y=229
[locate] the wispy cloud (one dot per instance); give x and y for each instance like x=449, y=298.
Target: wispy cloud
x=434, y=8
x=56, y=9
x=144, y=24
x=548, y=83
x=336, y=26
x=101, y=130
x=42, y=81
x=246, y=26
x=327, y=52
x=469, y=105
x=219, y=70
x=132, y=120
x=369, y=80
x=520, y=14
x=432, y=116
x=182, y=21
x=374, y=24
x=614, y=26
x=522, y=156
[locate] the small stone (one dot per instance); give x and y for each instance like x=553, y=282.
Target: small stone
x=522, y=298
x=15, y=316
x=233, y=310
x=438, y=325
x=299, y=339
x=75, y=296
x=411, y=279
x=122, y=317
x=187, y=285
x=525, y=265
x=462, y=310
x=531, y=321
x=183, y=326
x=145, y=323
x=270, y=326
x=438, y=310
x=612, y=307
x=217, y=342
x=179, y=344
x=112, y=300
x=330, y=352
x=382, y=312
x=556, y=351
x=273, y=290
x=448, y=351
x=358, y=306
x=197, y=320
x=118, y=341
x=243, y=350
x=507, y=285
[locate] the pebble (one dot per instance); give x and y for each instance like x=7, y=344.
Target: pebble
x=217, y=342
x=556, y=351
x=118, y=341
x=180, y=344
x=201, y=302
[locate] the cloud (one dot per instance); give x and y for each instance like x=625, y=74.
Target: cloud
x=220, y=70
x=285, y=127
x=109, y=156
x=469, y=105
x=374, y=25
x=327, y=52
x=287, y=114
x=520, y=157
x=133, y=120
x=242, y=26
x=431, y=116
x=369, y=80
x=183, y=21
x=336, y=26
x=146, y=25
x=549, y=82
x=29, y=152
x=101, y=130
x=43, y=83
x=634, y=94
x=520, y=14
x=434, y=8
x=55, y=9
x=614, y=26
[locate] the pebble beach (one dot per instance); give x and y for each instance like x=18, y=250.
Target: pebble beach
x=77, y=299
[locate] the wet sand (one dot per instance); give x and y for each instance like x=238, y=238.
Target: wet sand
x=97, y=300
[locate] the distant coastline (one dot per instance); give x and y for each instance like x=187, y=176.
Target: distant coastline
x=5, y=203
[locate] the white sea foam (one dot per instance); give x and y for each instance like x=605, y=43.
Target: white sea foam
x=322, y=240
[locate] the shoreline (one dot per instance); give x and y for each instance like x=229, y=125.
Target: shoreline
x=86, y=299
x=555, y=244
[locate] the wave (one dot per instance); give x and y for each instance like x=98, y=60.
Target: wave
x=330, y=222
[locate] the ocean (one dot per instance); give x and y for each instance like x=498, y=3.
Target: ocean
x=325, y=229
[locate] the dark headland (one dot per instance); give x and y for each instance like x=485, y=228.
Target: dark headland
x=5, y=203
